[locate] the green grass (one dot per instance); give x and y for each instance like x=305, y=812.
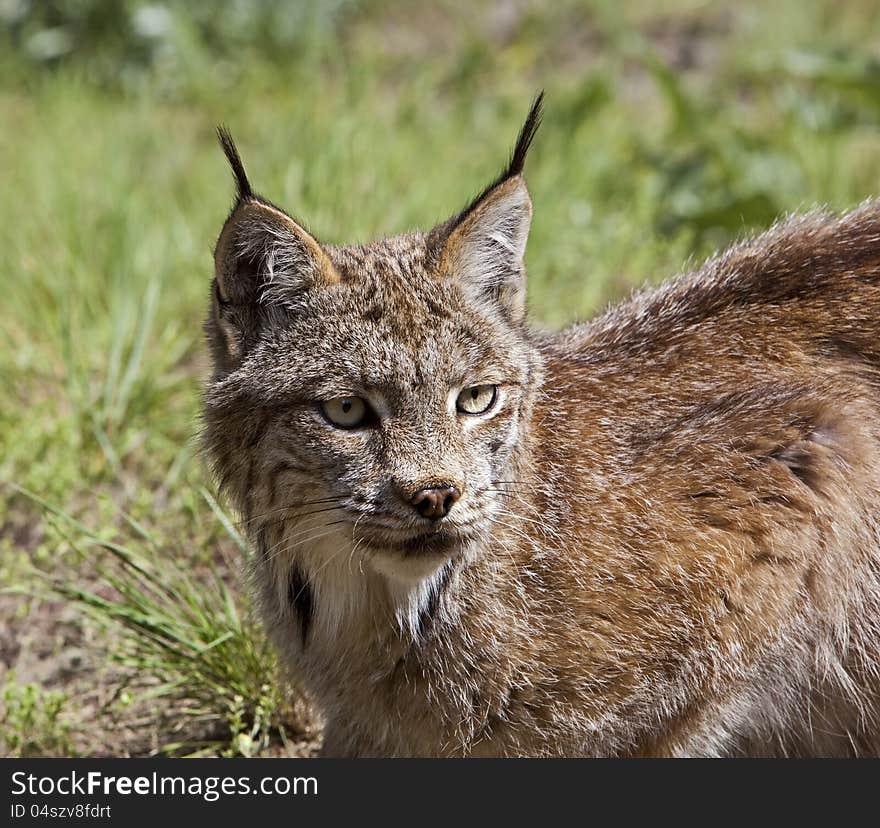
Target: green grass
x=176, y=637
x=668, y=133
x=32, y=721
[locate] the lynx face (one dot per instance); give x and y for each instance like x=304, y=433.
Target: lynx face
x=398, y=346
x=367, y=401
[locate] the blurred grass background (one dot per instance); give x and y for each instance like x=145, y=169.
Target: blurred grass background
x=671, y=129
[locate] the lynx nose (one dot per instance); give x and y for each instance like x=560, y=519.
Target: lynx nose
x=436, y=501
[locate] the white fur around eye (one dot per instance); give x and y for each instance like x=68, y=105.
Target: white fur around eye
x=345, y=412
x=477, y=399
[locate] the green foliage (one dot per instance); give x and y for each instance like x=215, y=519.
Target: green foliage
x=31, y=721
x=120, y=40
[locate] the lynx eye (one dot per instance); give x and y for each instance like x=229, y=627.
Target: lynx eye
x=345, y=412
x=477, y=399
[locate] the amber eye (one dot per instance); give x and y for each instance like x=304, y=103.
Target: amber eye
x=345, y=412
x=477, y=399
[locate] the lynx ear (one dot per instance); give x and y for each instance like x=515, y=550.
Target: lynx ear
x=262, y=253
x=261, y=250
x=485, y=244
x=262, y=258
x=485, y=251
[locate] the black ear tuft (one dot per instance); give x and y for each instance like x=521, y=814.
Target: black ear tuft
x=516, y=163
x=524, y=140
x=241, y=180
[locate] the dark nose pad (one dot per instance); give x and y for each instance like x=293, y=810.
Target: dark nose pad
x=435, y=503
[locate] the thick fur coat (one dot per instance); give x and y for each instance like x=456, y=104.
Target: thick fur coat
x=666, y=542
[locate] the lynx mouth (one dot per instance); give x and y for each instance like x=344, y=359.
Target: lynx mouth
x=429, y=544
x=435, y=542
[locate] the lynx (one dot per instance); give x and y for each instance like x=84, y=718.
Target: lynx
x=656, y=533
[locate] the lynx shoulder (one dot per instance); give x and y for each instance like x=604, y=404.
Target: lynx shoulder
x=652, y=534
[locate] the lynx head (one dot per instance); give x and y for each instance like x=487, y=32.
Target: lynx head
x=374, y=393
